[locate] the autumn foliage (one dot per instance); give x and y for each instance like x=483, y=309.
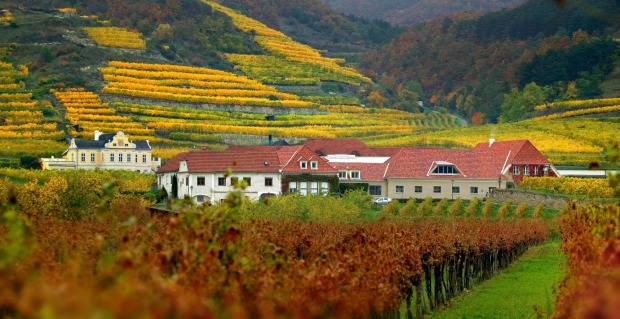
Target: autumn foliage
x=230, y=261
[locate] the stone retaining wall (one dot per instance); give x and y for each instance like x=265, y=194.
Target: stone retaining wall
x=213, y=107
x=532, y=199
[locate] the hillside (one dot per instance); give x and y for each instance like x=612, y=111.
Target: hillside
x=468, y=65
x=314, y=23
x=410, y=12
x=64, y=74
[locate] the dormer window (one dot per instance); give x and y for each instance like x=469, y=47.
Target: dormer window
x=314, y=165
x=355, y=174
x=342, y=174
x=445, y=169
x=303, y=165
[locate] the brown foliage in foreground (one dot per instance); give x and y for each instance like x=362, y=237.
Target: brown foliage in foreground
x=209, y=263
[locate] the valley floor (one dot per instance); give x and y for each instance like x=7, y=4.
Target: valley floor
x=526, y=287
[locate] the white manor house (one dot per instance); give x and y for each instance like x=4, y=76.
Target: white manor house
x=106, y=151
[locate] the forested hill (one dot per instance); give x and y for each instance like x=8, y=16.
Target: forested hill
x=567, y=49
x=410, y=12
x=317, y=24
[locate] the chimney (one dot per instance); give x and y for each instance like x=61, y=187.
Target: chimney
x=491, y=141
x=97, y=134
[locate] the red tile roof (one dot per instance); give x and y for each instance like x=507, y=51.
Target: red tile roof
x=521, y=151
x=326, y=146
x=369, y=172
x=217, y=161
x=482, y=162
x=305, y=154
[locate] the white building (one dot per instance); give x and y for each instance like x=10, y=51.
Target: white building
x=106, y=151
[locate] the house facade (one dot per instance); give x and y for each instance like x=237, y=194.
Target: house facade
x=208, y=176
x=403, y=173
x=320, y=165
x=106, y=151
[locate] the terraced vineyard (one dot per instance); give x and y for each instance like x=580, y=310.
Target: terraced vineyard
x=192, y=85
x=116, y=37
x=343, y=121
x=568, y=141
x=86, y=113
x=23, y=128
x=566, y=109
x=290, y=62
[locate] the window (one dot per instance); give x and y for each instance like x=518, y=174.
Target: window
x=546, y=170
x=400, y=189
x=303, y=165
x=248, y=181
x=200, y=198
x=324, y=188
x=526, y=170
x=515, y=170
x=221, y=181
x=83, y=157
x=120, y=157
x=417, y=189
x=473, y=190
x=314, y=165
x=268, y=181
x=114, y=144
x=128, y=158
x=374, y=190
x=126, y=145
x=143, y=158
x=111, y=157
x=314, y=188
x=342, y=174
x=456, y=189
x=92, y=157
x=303, y=188
x=355, y=174
x=292, y=187
x=136, y=158
x=437, y=189
x=234, y=181
x=445, y=169
x=535, y=170
x=200, y=181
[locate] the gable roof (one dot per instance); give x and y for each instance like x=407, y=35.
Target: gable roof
x=202, y=161
x=369, y=172
x=516, y=152
x=306, y=154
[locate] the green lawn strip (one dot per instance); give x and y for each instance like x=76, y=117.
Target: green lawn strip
x=515, y=291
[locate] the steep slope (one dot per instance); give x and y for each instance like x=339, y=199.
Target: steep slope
x=410, y=12
x=314, y=23
x=469, y=64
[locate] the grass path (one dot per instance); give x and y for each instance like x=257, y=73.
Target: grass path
x=514, y=292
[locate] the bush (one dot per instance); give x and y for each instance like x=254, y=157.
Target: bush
x=409, y=209
x=456, y=209
x=359, y=198
x=390, y=211
x=504, y=209
x=521, y=210
x=440, y=208
x=426, y=207
x=487, y=209
x=472, y=208
x=538, y=210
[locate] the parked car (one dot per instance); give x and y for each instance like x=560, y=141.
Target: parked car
x=381, y=200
